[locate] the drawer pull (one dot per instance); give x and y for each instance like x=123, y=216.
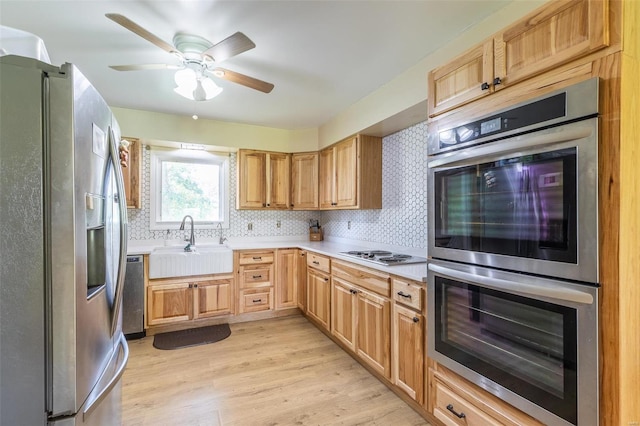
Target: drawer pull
x=257, y=258
x=458, y=415
x=315, y=262
x=256, y=276
x=257, y=300
x=408, y=296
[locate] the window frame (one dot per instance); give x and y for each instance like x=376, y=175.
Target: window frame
x=160, y=155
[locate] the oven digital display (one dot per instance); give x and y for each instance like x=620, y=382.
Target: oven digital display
x=490, y=126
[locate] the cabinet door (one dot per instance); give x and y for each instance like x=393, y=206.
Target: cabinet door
x=408, y=351
x=327, y=178
x=251, y=179
x=559, y=33
x=373, y=326
x=343, y=312
x=304, y=181
x=301, y=273
x=462, y=80
x=169, y=303
x=211, y=298
x=277, y=180
x=286, y=278
x=318, y=297
x=132, y=174
x=346, y=163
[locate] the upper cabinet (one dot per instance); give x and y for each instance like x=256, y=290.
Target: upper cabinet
x=263, y=180
x=351, y=174
x=132, y=174
x=559, y=33
x=304, y=181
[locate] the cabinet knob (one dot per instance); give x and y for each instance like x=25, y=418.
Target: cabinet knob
x=416, y=319
x=195, y=286
x=268, y=204
x=291, y=205
x=326, y=279
x=497, y=81
x=458, y=415
x=485, y=86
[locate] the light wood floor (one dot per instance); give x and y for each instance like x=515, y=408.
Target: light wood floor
x=282, y=371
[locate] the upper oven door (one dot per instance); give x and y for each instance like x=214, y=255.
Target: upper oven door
x=527, y=203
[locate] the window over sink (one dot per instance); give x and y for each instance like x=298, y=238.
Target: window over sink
x=189, y=182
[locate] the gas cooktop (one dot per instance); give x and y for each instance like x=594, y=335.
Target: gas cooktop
x=383, y=257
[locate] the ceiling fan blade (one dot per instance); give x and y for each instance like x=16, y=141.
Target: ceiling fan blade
x=245, y=80
x=137, y=29
x=230, y=46
x=144, y=67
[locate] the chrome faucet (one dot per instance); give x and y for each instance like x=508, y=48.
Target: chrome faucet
x=192, y=238
x=222, y=239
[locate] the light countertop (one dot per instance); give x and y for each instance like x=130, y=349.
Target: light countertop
x=330, y=247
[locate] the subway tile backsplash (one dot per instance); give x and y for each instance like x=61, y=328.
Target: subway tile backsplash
x=400, y=222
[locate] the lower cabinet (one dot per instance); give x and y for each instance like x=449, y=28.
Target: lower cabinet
x=408, y=351
x=408, y=335
x=286, y=286
x=174, y=300
x=255, y=269
x=361, y=319
x=319, y=297
x=454, y=401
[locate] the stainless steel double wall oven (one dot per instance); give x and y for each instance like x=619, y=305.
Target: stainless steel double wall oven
x=513, y=247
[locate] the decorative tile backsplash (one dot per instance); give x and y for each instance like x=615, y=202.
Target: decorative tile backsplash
x=400, y=222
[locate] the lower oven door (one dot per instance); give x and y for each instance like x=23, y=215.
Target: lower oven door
x=530, y=341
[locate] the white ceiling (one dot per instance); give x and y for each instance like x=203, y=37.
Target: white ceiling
x=322, y=56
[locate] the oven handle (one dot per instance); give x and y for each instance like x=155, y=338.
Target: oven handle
x=531, y=289
x=488, y=151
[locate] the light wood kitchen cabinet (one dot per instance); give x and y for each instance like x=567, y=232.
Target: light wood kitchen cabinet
x=301, y=279
x=408, y=355
x=456, y=402
x=343, y=312
x=304, y=181
x=351, y=174
x=174, y=300
x=263, y=180
x=255, y=272
x=132, y=174
x=373, y=331
x=286, y=287
x=549, y=37
x=463, y=79
x=361, y=319
x=319, y=289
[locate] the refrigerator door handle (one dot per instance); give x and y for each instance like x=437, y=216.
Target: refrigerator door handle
x=122, y=203
x=94, y=402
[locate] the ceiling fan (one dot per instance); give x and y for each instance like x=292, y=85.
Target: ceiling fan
x=198, y=58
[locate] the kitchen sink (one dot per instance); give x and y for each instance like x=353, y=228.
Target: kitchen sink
x=173, y=261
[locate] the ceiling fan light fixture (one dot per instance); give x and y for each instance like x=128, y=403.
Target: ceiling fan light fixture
x=194, y=87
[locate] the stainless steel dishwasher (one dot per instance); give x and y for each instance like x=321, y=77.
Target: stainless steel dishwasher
x=133, y=298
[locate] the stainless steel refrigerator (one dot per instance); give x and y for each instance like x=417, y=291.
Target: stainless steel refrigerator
x=63, y=244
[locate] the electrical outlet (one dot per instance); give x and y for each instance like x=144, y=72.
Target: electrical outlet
x=278, y=224
x=250, y=226
x=349, y=225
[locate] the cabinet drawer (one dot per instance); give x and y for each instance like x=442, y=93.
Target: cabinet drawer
x=408, y=293
x=448, y=403
x=319, y=262
x=255, y=257
x=255, y=300
x=256, y=276
x=366, y=278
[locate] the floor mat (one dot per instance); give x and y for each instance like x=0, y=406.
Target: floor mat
x=191, y=337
